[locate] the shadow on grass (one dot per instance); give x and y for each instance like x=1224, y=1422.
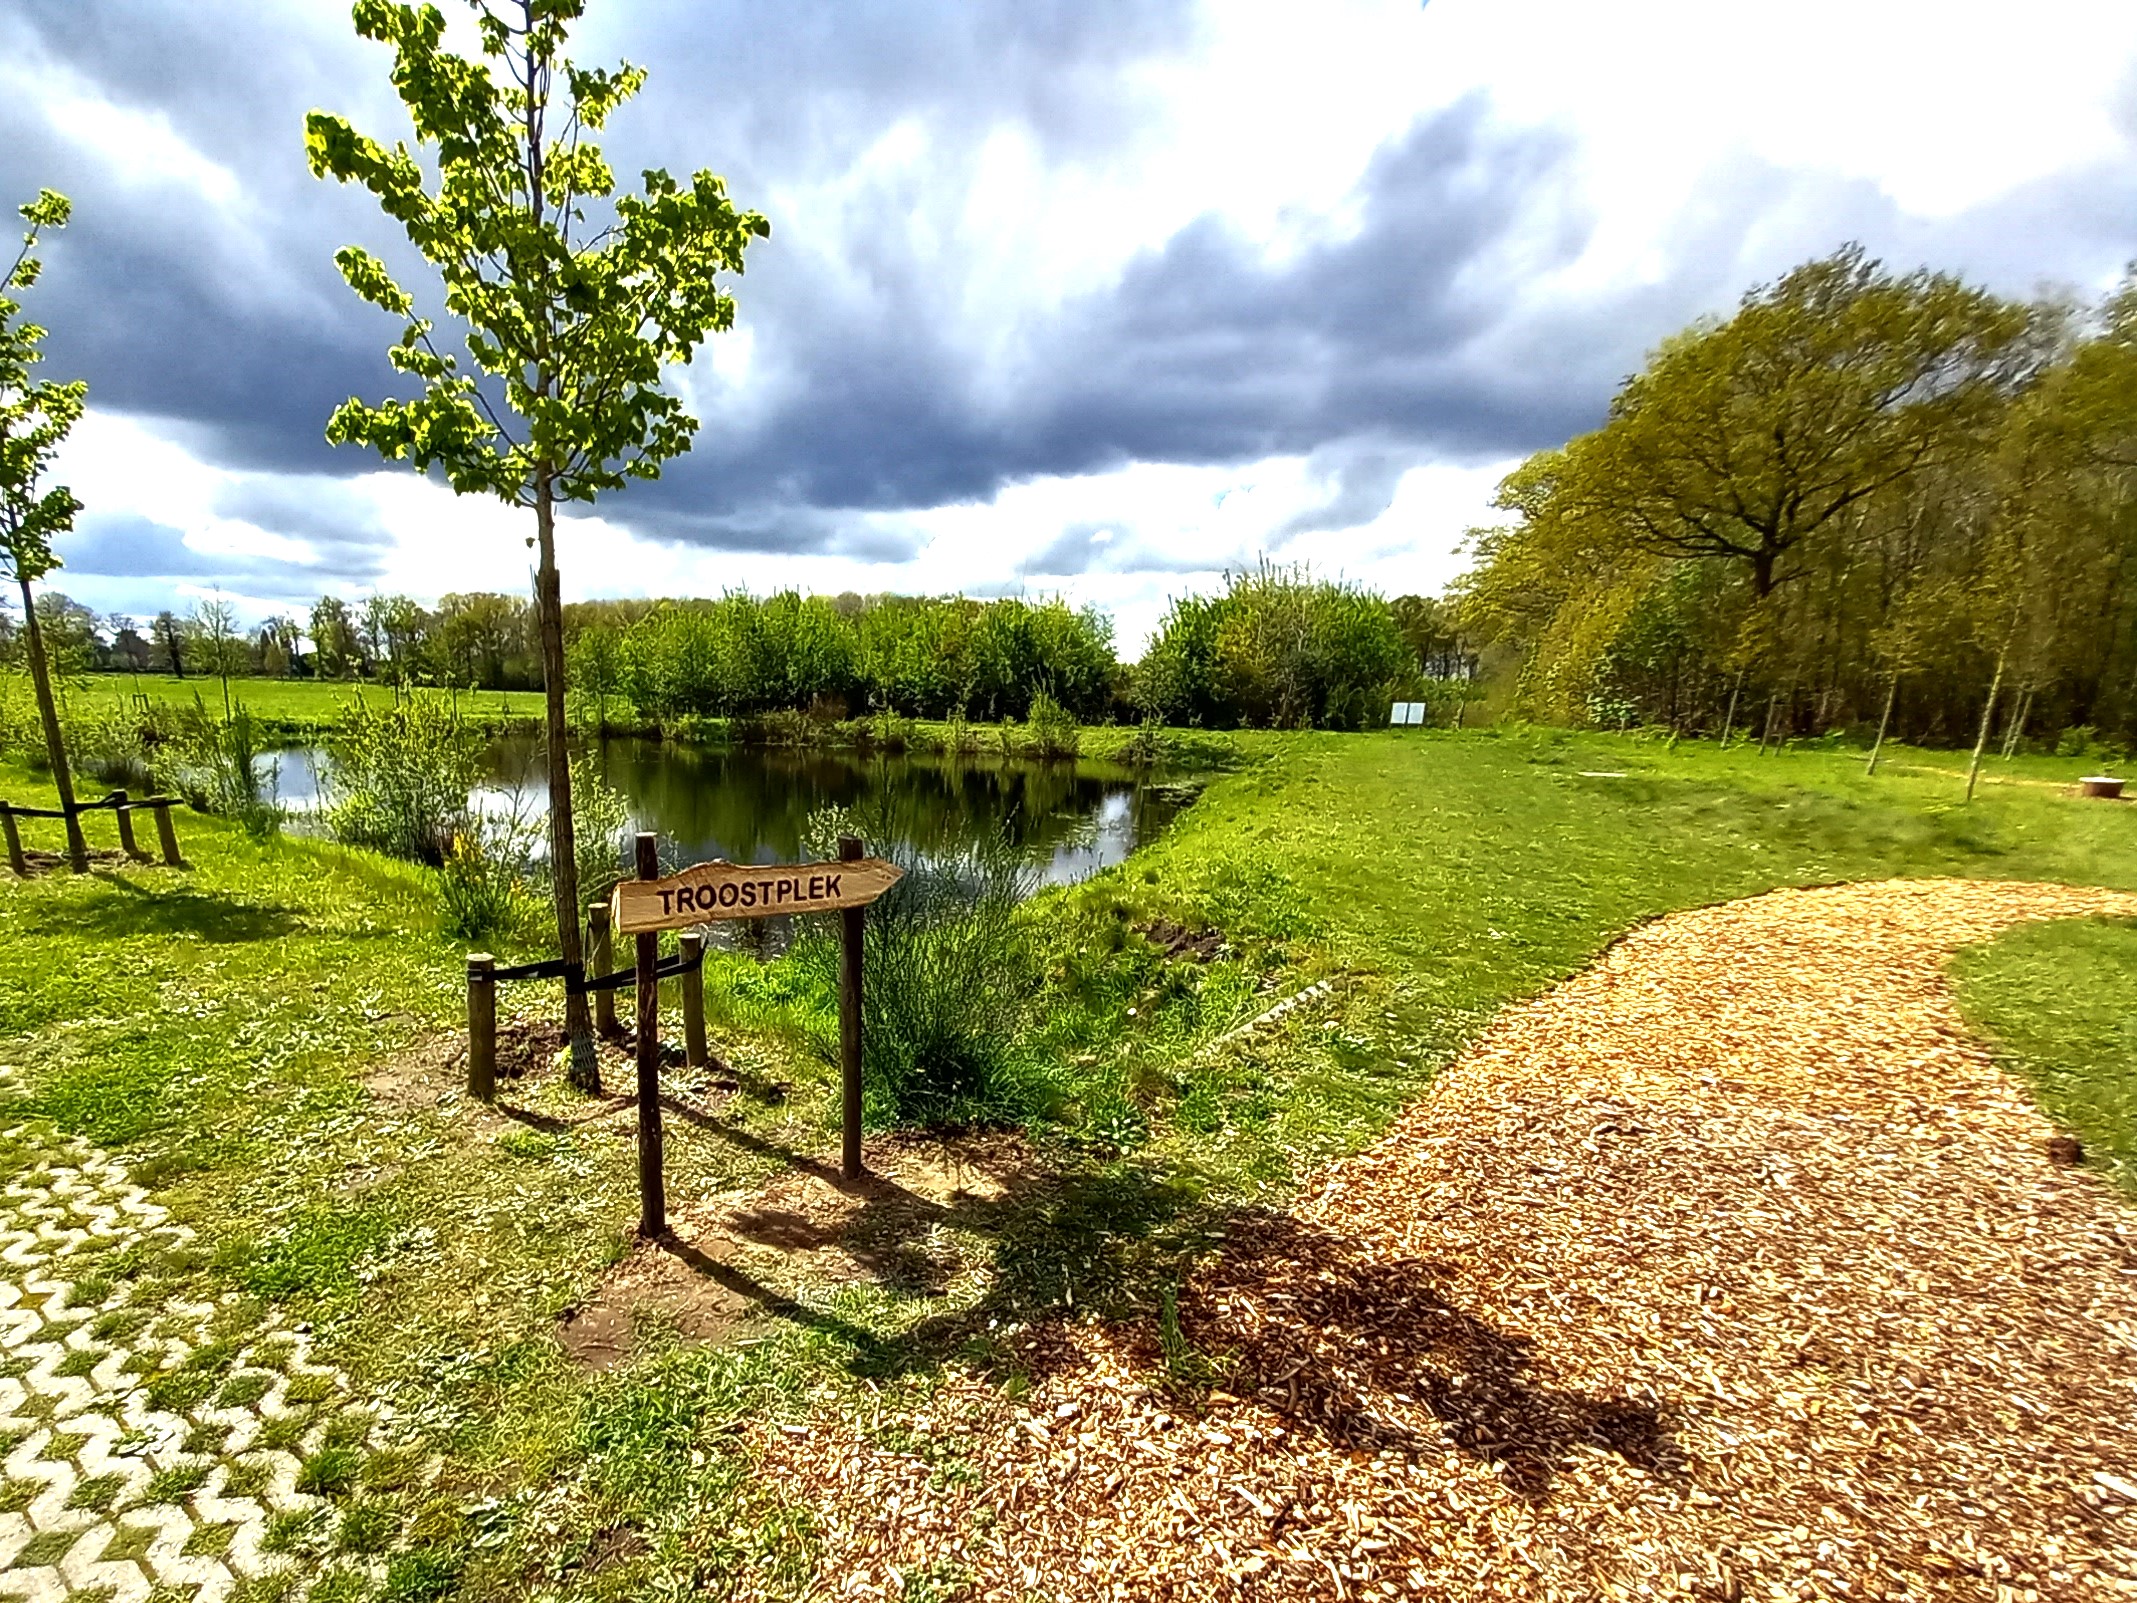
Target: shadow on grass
x=1101, y=1239
x=131, y=910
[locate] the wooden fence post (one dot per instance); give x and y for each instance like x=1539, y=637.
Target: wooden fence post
x=693, y=978
x=600, y=959
x=481, y=1026
x=15, y=859
x=122, y=810
x=652, y=1189
x=849, y=1017
x=166, y=836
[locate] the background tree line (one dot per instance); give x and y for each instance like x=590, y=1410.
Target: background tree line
x=1277, y=648
x=1865, y=497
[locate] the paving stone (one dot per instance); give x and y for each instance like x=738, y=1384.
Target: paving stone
x=114, y=1420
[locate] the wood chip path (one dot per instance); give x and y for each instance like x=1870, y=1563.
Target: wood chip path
x=1730, y=1269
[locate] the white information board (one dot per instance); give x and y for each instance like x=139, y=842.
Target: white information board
x=1407, y=712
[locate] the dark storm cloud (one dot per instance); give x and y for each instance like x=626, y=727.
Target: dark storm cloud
x=134, y=548
x=1201, y=352
x=1431, y=327
x=235, y=320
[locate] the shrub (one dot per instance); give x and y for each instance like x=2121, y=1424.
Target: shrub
x=399, y=779
x=600, y=829
x=1279, y=648
x=483, y=888
x=1053, y=728
x=218, y=764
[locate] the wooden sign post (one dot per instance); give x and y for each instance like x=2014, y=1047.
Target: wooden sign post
x=645, y=906
x=849, y=1021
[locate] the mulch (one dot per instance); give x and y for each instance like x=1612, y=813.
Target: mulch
x=1730, y=1269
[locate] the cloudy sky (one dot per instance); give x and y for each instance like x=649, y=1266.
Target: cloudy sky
x=1088, y=297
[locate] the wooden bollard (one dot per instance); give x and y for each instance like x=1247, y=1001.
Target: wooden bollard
x=481, y=1026
x=851, y=925
x=600, y=960
x=652, y=1189
x=13, y=831
x=693, y=978
x=166, y=833
x=122, y=810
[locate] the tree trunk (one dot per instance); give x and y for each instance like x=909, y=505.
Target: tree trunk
x=1762, y=562
x=55, y=742
x=1729, y=718
x=2016, y=729
x=585, y=1069
x=1884, y=722
x=1981, y=740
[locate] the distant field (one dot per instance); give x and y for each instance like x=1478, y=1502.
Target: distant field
x=293, y=700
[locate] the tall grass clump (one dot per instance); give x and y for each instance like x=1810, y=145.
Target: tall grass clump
x=219, y=763
x=399, y=779
x=949, y=975
x=237, y=774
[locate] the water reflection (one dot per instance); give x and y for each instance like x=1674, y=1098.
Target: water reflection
x=750, y=804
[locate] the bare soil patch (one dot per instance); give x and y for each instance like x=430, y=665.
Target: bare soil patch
x=528, y=1053
x=1177, y=940
x=41, y=863
x=729, y=1262
x=1730, y=1269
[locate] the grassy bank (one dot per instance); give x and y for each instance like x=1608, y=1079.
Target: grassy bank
x=258, y=1035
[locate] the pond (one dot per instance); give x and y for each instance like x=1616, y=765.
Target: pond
x=749, y=804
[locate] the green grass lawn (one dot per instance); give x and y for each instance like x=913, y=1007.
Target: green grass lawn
x=2058, y=1005
x=287, y=702
x=224, y=1028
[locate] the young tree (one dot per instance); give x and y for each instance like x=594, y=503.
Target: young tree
x=574, y=299
x=394, y=630
x=596, y=664
x=278, y=640
x=35, y=416
x=212, y=627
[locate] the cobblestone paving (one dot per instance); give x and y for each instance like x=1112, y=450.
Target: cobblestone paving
x=153, y=1449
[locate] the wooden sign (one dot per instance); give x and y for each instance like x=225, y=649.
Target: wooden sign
x=748, y=890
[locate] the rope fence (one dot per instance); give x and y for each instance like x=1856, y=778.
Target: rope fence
x=118, y=804
x=484, y=975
